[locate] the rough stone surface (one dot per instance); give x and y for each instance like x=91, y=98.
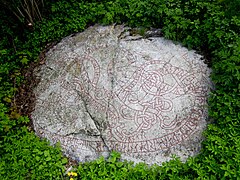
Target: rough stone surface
x=104, y=90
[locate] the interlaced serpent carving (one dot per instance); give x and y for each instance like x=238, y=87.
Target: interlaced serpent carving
x=148, y=105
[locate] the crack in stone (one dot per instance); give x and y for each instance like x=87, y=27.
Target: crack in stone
x=134, y=38
x=113, y=73
x=97, y=124
x=153, y=33
x=86, y=132
x=48, y=67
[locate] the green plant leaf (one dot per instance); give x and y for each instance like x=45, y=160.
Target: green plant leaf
x=24, y=60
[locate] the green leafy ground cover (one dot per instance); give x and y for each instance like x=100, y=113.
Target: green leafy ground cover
x=212, y=27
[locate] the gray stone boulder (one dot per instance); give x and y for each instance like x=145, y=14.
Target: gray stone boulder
x=105, y=89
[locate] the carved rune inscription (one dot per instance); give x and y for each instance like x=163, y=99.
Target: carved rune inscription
x=145, y=101
x=111, y=96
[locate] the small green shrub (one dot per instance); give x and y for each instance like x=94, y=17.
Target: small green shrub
x=25, y=156
x=231, y=8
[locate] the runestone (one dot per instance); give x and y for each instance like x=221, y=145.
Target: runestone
x=105, y=89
